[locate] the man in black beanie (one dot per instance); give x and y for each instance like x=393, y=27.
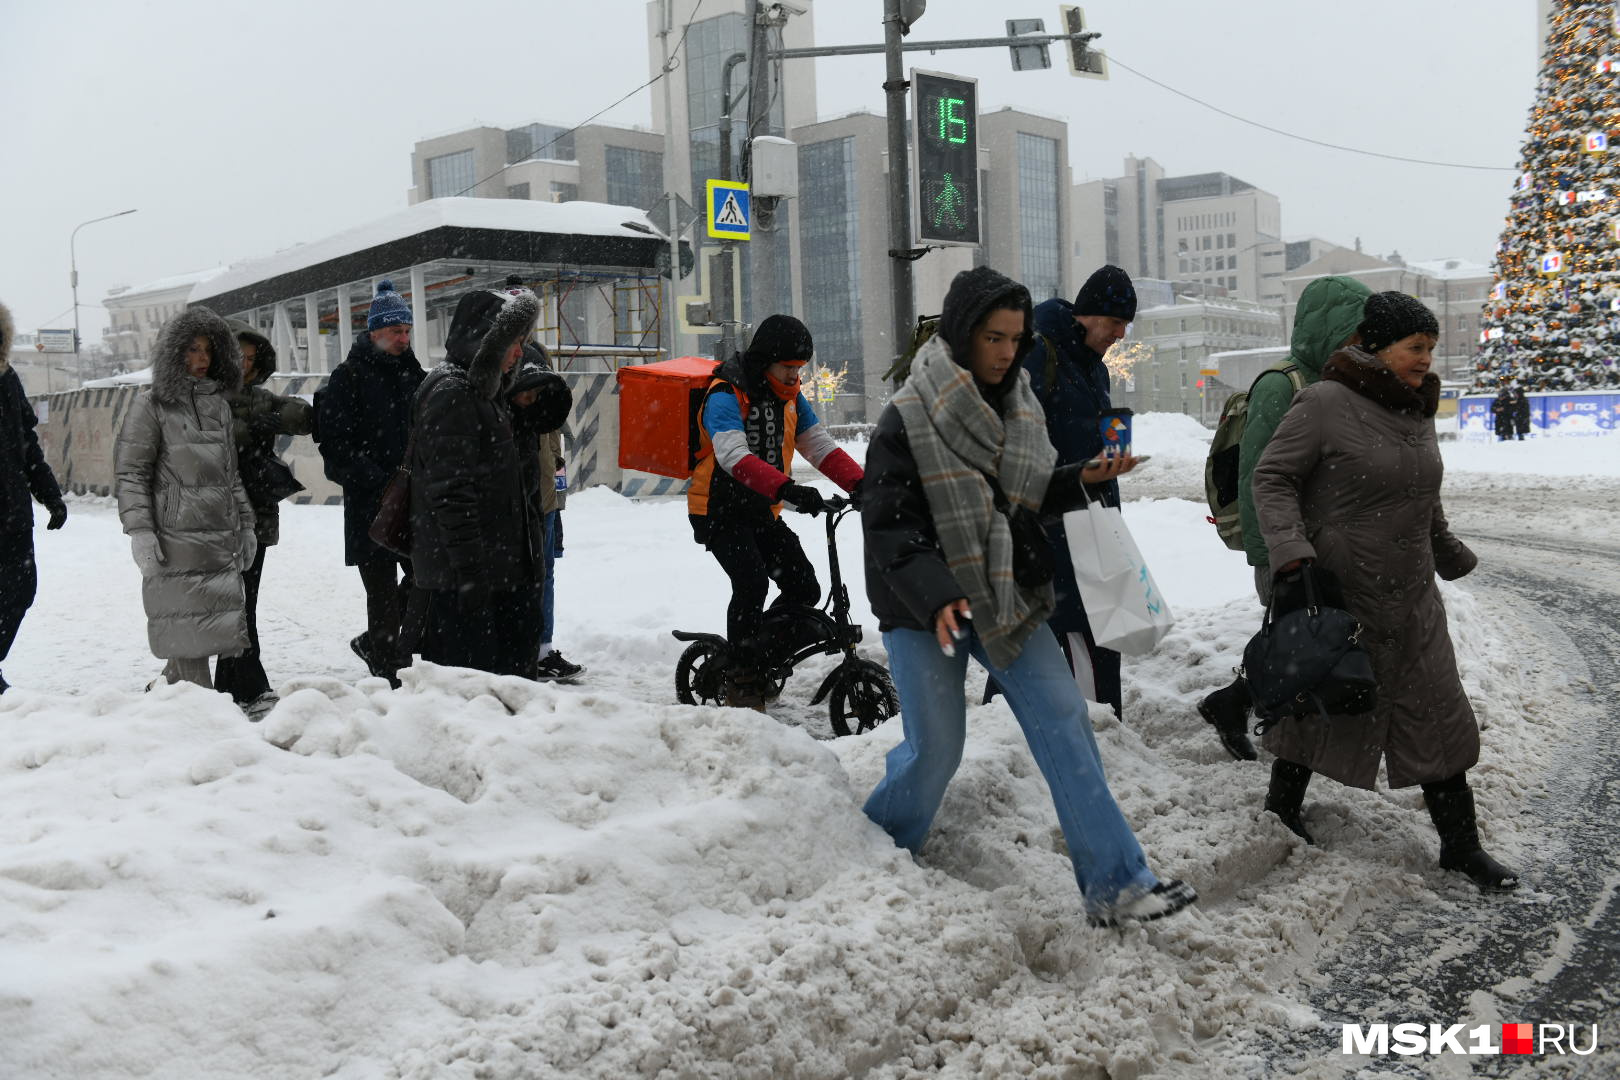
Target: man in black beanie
x=1067, y=373
x=363, y=424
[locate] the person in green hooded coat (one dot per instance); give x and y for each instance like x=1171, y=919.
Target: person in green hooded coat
x=1325, y=320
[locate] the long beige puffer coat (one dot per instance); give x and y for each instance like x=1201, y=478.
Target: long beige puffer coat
x=1352, y=480
x=176, y=476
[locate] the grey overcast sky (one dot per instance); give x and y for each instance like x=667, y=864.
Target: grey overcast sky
x=240, y=128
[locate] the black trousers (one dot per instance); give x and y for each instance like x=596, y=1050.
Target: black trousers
x=387, y=601
x=19, y=580
x=500, y=635
x=753, y=556
x=243, y=676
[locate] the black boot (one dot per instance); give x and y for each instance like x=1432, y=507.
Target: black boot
x=1286, y=796
x=1228, y=710
x=1451, y=806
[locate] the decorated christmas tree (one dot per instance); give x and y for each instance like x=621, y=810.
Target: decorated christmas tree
x=1553, y=319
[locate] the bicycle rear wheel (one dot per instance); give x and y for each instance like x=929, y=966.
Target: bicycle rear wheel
x=700, y=674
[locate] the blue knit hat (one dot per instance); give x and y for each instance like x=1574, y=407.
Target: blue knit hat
x=389, y=308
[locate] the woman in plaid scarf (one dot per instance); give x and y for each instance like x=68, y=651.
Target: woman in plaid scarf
x=957, y=474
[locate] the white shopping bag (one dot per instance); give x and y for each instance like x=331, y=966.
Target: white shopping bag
x=1123, y=605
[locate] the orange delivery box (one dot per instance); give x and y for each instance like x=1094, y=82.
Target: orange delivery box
x=658, y=414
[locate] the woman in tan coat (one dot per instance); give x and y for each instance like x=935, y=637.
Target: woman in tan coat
x=1351, y=482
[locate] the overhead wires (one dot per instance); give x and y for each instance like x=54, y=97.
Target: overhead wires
x=1116, y=62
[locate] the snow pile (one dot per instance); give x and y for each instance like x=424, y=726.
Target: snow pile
x=479, y=877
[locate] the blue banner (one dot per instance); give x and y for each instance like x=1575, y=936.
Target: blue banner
x=1550, y=414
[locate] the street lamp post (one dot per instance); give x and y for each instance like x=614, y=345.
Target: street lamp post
x=73, y=259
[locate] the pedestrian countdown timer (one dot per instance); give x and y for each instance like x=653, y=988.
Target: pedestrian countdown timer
x=945, y=133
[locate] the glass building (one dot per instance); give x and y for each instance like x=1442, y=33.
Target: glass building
x=634, y=177
x=708, y=44
x=541, y=142
x=450, y=174
x=829, y=229
x=1040, y=239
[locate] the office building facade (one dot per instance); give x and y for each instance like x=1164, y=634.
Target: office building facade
x=1456, y=290
x=1182, y=336
x=1211, y=230
x=544, y=162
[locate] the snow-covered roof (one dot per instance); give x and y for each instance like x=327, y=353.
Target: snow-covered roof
x=1452, y=268
x=129, y=378
x=573, y=219
x=165, y=284
x=1268, y=350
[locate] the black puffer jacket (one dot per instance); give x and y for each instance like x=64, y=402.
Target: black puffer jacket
x=258, y=418
x=24, y=475
x=364, y=417
x=472, y=524
x=907, y=579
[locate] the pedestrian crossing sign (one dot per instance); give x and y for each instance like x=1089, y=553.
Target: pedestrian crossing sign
x=728, y=209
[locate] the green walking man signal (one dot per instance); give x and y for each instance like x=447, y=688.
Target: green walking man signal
x=945, y=132
x=949, y=203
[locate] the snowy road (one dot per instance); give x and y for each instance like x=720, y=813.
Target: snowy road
x=1551, y=952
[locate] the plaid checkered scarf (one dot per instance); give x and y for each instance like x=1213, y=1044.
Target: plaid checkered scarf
x=956, y=438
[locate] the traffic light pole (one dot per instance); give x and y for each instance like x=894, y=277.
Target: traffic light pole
x=902, y=297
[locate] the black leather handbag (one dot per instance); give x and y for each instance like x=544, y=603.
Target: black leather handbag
x=1308, y=660
x=391, y=528
x=1032, y=561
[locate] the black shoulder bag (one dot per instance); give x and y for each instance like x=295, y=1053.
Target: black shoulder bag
x=1032, y=563
x=1308, y=661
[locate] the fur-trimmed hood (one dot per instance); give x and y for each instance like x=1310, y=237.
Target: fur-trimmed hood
x=170, y=381
x=485, y=325
x=8, y=333
x=264, y=356
x=1364, y=373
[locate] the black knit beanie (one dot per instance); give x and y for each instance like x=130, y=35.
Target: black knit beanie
x=780, y=339
x=1107, y=292
x=1390, y=316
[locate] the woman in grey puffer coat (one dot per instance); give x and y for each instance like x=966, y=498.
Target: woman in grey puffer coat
x=181, y=500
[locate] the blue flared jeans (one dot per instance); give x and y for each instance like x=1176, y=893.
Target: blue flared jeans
x=1108, y=862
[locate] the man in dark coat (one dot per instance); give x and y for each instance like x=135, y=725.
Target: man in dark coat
x=1521, y=413
x=24, y=478
x=1502, y=414
x=363, y=423
x=1075, y=401
x=475, y=535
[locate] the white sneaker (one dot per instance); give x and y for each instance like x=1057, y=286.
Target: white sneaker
x=1165, y=898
